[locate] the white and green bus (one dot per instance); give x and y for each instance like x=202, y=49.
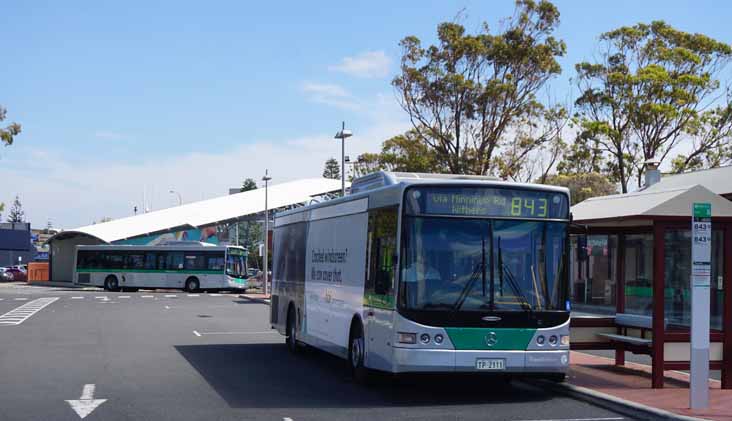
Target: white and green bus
x=428, y=273
x=190, y=267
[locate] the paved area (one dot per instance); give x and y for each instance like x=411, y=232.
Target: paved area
x=178, y=356
x=633, y=383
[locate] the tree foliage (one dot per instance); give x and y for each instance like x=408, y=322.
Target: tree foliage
x=582, y=185
x=8, y=133
x=248, y=184
x=16, y=213
x=473, y=98
x=651, y=88
x=332, y=169
x=407, y=152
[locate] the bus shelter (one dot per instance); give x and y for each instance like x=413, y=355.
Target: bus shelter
x=630, y=278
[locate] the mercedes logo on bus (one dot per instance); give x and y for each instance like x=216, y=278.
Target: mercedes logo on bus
x=491, y=339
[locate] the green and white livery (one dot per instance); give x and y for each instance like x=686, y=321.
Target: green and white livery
x=191, y=267
x=428, y=273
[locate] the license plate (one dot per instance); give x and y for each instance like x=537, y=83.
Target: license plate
x=490, y=364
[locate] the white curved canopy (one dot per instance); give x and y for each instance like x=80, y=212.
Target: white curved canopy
x=211, y=211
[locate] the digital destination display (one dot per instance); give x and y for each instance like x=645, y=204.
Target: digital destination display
x=487, y=202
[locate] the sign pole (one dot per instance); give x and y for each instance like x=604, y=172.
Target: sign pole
x=701, y=247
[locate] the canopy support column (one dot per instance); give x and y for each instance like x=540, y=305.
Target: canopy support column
x=659, y=230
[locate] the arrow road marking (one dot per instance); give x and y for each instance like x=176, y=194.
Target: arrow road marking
x=86, y=404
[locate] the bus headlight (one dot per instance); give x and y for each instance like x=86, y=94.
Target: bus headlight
x=553, y=340
x=407, y=338
x=424, y=338
x=540, y=340
x=564, y=341
x=438, y=339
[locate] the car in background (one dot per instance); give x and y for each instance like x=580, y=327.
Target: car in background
x=14, y=274
x=5, y=275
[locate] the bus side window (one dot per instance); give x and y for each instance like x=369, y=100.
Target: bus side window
x=150, y=261
x=382, y=251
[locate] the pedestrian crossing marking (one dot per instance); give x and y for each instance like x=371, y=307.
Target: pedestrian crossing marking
x=19, y=315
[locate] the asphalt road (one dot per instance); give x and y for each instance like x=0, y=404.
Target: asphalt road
x=177, y=356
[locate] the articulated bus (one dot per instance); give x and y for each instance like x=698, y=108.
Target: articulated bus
x=428, y=273
x=190, y=267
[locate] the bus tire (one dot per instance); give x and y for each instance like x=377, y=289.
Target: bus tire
x=192, y=284
x=357, y=354
x=291, y=338
x=557, y=377
x=111, y=283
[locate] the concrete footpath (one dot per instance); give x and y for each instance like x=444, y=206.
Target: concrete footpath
x=598, y=379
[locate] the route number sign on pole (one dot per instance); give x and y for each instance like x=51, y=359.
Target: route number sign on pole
x=701, y=251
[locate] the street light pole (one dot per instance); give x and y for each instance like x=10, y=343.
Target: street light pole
x=342, y=135
x=180, y=199
x=266, y=179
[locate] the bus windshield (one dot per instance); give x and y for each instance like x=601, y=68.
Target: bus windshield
x=236, y=263
x=462, y=264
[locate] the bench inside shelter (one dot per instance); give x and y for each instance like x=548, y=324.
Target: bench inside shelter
x=632, y=332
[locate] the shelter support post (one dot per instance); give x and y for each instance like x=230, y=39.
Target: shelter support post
x=659, y=230
x=727, y=311
x=620, y=292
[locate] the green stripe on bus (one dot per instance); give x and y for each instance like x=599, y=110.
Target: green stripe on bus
x=201, y=272
x=379, y=301
x=474, y=338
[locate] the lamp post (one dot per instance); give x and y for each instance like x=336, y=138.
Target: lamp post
x=266, y=180
x=180, y=199
x=342, y=135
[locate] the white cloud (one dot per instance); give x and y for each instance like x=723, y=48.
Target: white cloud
x=73, y=194
x=369, y=64
x=330, y=94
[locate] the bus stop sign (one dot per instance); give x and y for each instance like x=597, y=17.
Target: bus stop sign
x=701, y=248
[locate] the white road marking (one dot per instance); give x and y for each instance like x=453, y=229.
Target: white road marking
x=77, y=298
x=124, y=296
x=170, y=296
x=580, y=419
x=215, y=295
x=147, y=296
x=19, y=315
x=86, y=404
x=286, y=419
x=193, y=295
x=167, y=307
x=268, y=332
x=196, y=333
x=20, y=299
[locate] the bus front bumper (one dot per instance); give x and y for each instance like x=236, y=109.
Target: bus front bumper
x=408, y=360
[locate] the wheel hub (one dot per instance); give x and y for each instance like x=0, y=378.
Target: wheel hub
x=356, y=352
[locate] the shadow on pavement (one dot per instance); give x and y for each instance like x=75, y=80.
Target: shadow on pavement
x=267, y=375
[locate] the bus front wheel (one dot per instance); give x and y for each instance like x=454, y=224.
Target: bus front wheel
x=357, y=354
x=192, y=284
x=111, y=283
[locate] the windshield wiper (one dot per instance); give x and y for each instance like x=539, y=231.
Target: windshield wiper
x=479, y=271
x=511, y=280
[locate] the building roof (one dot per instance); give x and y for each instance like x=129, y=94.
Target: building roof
x=718, y=180
x=208, y=212
x=649, y=203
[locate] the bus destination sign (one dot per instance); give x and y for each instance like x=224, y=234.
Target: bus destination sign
x=487, y=202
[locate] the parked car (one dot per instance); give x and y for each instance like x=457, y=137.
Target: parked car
x=5, y=275
x=15, y=274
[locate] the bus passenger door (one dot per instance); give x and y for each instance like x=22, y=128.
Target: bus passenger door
x=379, y=298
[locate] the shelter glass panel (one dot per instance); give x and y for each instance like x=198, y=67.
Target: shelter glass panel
x=594, y=274
x=677, y=292
x=639, y=274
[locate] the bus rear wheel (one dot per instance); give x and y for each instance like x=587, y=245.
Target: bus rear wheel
x=111, y=283
x=357, y=355
x=192, y=284
x=291, y=338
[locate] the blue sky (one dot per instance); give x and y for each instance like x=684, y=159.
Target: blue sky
x=117, y=98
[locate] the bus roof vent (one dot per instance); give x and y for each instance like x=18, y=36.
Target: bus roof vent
x=385, y=178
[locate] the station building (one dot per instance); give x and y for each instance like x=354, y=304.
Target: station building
x=208, y=221
x=631, y=267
